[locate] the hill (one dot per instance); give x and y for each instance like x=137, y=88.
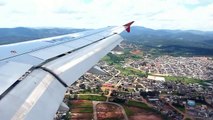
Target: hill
x=173, y=42
x=19, y=34
x=156, y=42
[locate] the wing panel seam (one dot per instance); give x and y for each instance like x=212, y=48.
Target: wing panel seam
x=53, y=74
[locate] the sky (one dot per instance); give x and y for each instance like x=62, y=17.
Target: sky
x=155, y=14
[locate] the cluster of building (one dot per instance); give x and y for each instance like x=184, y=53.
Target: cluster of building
x=173, y=99
x=195, y=67
x=155, y=91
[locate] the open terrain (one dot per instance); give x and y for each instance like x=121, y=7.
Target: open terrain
x=106, y=111
x=81, y=109
x=140, y=114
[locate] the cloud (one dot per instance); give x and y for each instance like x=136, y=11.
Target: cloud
x=66, y=11
x=157, y=14
x=2, y=4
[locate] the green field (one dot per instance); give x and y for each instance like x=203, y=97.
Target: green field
x=117, y=59
x=187, y=119
x=129, y=71
x=128, y=111
x=184, y=80
x=179, y=107
x=82, y=110
x=92, y=97
x=112, y=59
x=138, y=104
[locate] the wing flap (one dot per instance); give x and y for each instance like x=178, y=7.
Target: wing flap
x=51, y=99
x=9, y=74
x=27, y=93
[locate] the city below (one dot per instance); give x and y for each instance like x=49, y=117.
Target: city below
x=106, y=60
x=137, y=86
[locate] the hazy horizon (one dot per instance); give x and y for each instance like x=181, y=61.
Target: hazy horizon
x=52, y=27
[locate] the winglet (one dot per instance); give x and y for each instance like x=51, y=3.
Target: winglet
x=127, y=26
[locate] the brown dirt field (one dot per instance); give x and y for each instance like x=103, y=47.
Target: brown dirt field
x=105, y=107
x=77, y=106
x=144, y=117
x=109, y=111
x=136, y=52
x=140, y=114
x=109, y=115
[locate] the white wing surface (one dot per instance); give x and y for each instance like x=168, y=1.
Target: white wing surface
x=34, y=75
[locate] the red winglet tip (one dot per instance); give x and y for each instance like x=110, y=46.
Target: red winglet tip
x=127, y=26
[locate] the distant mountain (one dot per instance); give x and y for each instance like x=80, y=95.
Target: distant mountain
x=19, y=34
x=189, y=41
x=156, y=38
x=167, y=41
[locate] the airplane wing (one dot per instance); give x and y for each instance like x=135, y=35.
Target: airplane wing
x=34, y=75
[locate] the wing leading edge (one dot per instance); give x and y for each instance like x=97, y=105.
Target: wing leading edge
x=35, y=75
